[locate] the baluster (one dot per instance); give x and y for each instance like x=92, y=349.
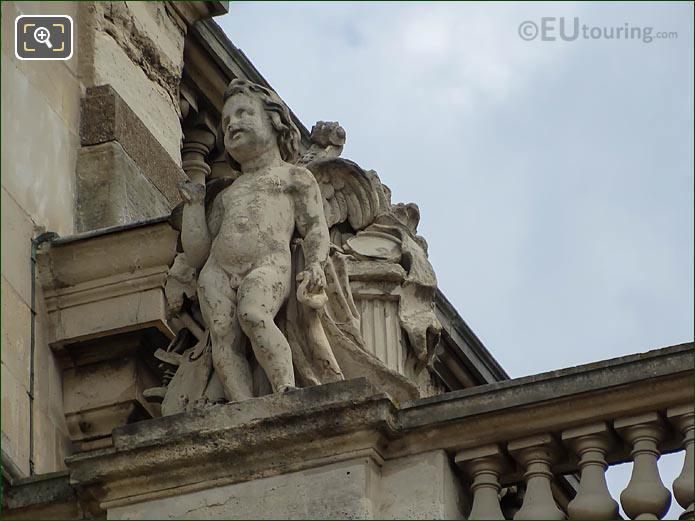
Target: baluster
x=593, y=500
x=196, y=146
x=199, y=136
x=684, y=485
x=536, y=454
x=484, y=465
x=645, y=497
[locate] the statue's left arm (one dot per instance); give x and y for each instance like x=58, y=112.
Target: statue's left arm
x=311, y=224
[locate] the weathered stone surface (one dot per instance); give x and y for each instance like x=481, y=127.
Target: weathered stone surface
x=49, y=422
x=95, y=298
x=290, y=298
x=47, y=497
x=111, y=190
x=40, y=120
x=420, y=487
x=345, y=490
x=40, y=128
x=269, y=408
x=192, y=12
x=312, y=427
x=17, y=232
x=113, y=298
x=243, y=281
x=101, y=396
x=15, y=337
x=632, y=383
x=138, y=49
x=51, y=440
x=15, y=420
x=107, y=117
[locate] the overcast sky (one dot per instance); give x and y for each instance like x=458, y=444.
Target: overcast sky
x=554, y=178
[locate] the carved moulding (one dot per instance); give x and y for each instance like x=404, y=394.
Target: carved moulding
x=104, y=316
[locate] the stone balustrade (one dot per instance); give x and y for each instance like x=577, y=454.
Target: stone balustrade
x=529, y=448
x=588, y=451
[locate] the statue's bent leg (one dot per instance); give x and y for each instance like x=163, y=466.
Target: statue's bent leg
x=260, y=296
x=218, y=306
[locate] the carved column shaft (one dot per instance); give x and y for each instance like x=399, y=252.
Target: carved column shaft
x=484, y=465
x=645, y=497
x=593, y=500
x=196, y=147
x=536, y=456
x=684, y=484
x=200, y=133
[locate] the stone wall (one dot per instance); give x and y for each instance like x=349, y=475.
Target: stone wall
x=414, y=487
x=40, y=139
x=131, y=65
x=55, y=162
x=137, y=48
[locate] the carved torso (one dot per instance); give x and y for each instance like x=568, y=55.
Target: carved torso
x=256, y=216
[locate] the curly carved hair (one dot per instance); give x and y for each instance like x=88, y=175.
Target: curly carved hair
x=288, y=135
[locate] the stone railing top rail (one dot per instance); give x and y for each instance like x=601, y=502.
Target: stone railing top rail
x=548, y=402
x=594, y=376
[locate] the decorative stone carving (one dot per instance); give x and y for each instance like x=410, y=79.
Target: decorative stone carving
x=265, y=260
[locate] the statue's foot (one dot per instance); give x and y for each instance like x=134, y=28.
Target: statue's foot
x=286, y=388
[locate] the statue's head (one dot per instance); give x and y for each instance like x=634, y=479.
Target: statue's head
x=254, y=118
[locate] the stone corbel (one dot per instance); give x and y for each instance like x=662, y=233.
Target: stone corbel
x=106, y=315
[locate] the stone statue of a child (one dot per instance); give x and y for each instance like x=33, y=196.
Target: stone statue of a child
x=242, y=243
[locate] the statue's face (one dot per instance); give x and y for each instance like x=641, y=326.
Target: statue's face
x=248, y=131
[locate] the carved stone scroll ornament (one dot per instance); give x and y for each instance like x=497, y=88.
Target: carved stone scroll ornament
x=260, y=291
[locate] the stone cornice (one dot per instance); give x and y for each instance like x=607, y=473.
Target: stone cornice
x=102, y=283
x=191, y=12
x=105, y=253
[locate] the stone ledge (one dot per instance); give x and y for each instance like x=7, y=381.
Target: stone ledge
x=107, y=117
x=49, y=496
x=121, y=245
x=237, y=442
x=272, y=407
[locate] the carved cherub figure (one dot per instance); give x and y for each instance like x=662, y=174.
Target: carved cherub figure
x=243, y=242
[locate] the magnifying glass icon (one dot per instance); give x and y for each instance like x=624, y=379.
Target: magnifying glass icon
x=42, y=35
